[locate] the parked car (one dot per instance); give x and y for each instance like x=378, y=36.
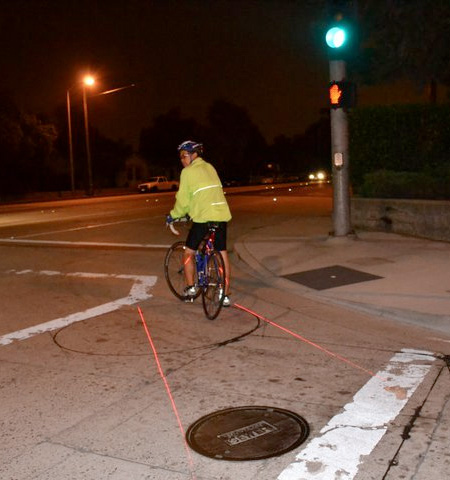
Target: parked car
x=266, y=180
x=158, y=184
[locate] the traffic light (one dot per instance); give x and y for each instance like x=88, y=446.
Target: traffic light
x=340, y=28
x=336, y=37
x=342, y=94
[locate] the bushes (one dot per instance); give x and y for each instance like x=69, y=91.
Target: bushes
x=390, y=184
x=400, y=151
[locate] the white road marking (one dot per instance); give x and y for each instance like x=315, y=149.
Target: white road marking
x=339, y=450
x=84, y=227
x=139, y=291
x=439, y=339
x=81, y=244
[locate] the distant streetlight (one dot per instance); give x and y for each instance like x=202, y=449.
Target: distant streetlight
x=88, y=81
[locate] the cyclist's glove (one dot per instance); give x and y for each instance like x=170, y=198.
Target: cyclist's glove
x=169, y=219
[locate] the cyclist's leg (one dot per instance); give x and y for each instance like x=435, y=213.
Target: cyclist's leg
x=212, y=293
x=195, y=236
x=221, y=245
x=189, y=266
x=226, y=262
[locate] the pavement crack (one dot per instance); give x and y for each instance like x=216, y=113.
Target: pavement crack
x=86, y=451
x=359, y=427
x=438, y=423
x=408, y=428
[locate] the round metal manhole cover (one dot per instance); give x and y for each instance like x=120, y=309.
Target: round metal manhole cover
x=247, y=433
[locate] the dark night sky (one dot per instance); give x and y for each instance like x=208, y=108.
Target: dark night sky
x=259, y=54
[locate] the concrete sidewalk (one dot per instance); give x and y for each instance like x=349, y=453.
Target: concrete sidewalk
x=411, y=280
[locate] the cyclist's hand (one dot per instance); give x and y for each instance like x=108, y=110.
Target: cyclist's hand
x=169, y=219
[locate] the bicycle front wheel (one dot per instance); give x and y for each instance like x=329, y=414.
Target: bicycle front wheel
x=213, y=292
x=174, y=270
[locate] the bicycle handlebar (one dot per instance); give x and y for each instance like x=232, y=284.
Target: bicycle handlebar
x=173, y=229
x=177, y=220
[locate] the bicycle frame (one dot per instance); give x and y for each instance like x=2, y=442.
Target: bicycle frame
x=201, y=257
x=209, y=269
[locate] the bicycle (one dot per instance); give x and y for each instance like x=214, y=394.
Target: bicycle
x=209, y=277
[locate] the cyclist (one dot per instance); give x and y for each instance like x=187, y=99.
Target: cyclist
x=200, y=196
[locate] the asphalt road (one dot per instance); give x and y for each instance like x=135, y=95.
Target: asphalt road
x=81, y=397
x=111, y=236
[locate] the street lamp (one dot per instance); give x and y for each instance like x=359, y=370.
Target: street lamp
x=88, y=81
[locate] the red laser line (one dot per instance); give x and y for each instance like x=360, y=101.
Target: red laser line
x=309, y=342
x=169, y=393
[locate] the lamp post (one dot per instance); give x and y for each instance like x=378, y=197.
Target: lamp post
x=69, y=129
x=88, y=81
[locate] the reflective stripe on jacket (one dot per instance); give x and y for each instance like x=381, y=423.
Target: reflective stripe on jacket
x=200, y=194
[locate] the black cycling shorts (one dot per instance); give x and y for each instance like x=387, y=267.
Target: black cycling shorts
x=199, y=230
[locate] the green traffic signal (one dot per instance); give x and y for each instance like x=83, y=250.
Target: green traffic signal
x=336, y=37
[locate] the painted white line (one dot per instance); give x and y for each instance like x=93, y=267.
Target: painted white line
x=139, y=291
x=81, y=244
x=84, y=227
x=439, y=339
x=339, y=450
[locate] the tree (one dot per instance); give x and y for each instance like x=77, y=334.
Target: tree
x=236, y=145
x=405, y=40
x=11, y=136
x=108, y=156
x=38, y=152
x=158, y=142
x=28, y=158
x=300, y=154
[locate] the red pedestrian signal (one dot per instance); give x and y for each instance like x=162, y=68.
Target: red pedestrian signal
x=335, y=95
x=341, y=94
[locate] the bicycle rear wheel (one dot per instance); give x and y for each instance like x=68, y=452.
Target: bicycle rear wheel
x=213, y=292
x=174, y=270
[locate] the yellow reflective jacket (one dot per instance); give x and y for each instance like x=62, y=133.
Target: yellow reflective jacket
x=200, y=194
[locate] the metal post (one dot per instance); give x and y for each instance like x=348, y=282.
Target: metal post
x=339, y=158
x=69, y=129
x=88, y=149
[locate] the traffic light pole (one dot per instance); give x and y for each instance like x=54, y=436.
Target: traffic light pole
x=339, y=158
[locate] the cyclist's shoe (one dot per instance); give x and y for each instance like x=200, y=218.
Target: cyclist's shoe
x=189, y=293
x=226, y=301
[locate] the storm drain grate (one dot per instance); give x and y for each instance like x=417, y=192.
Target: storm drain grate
x=330, y=277
x=247, y=433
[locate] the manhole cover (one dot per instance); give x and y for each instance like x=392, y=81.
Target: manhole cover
x=247, y=433
x=330, y=277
